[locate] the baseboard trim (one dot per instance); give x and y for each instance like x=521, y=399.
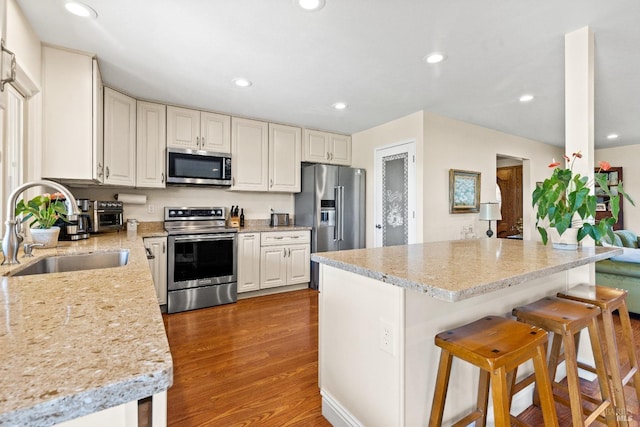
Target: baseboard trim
x=335, y=413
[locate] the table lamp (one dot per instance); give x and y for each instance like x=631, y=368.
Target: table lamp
x=490, y=212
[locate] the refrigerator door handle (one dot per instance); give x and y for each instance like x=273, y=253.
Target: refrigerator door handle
x=341, y=213
x=336, y=227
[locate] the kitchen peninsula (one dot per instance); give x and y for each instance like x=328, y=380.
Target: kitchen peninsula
x=381, y=308
x=83, y=346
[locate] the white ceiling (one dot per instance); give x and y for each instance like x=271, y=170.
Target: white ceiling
x=367, y=53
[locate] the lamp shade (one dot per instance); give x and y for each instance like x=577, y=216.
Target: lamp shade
x=490, y=212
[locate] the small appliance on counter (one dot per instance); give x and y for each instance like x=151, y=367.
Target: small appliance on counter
x=105, y=216
x=78, y=228
x=279, y=219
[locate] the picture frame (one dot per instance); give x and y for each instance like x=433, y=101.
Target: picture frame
x=464, y=191
x=601, y=207
x=613, y=178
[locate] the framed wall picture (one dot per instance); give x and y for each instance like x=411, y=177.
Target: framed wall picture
x=613, y=178
x=464, y=191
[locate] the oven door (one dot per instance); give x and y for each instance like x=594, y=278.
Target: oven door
x=200, y=260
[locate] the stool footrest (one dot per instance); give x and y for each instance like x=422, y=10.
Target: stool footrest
x=475, y=415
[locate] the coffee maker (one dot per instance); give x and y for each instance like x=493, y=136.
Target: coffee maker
x=76, y=227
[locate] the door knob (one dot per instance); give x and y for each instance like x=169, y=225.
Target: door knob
x=378, y=226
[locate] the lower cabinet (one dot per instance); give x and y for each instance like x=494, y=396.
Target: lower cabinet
x=273, y=259
x=157, y=254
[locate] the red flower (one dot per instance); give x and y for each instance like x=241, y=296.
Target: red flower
x=567, y=157
x=578, y=155
x=554, y=163
x=605, y=166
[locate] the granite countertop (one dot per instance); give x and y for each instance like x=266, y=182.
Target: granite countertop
x=78, y=342
x=460, y=269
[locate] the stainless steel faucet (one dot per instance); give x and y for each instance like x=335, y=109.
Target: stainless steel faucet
x=12, y=237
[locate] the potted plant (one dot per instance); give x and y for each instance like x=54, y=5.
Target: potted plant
x=565, y=201
x=44, y=211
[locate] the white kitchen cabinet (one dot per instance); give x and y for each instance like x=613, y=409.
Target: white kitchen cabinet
x=250, y=155
x=266, y=156
x=198, y=130
x=248, y=262
x=326, y=147
x=72, y=122
x=285, y=258
x=157, y=253
x=151, y=143
x=284, y=158
x=119, y=138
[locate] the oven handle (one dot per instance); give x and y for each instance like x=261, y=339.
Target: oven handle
x=205, y=237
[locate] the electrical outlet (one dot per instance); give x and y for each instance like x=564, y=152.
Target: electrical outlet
x=151, y=208
x=387, y=337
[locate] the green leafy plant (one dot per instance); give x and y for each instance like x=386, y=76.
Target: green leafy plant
x=566, y=195
x=44, y=210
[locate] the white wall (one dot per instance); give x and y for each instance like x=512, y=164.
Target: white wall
x=627, y=158
x=24, y=42
x=442, y=144
x=255, y=205
x=364, y=145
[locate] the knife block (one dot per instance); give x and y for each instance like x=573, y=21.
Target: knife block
x=234, y=221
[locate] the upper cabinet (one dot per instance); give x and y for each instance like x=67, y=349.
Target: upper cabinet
x=326, y=147
x=151, y=142
x=249, y=155
x=119, y=138
x=284, y=158
x=265, y=156
x=198, y=130
x=72, y=144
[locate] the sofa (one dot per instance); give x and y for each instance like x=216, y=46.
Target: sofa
x=622, y=271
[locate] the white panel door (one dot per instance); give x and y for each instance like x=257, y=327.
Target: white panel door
x=250, y=154
x=298, y=264
x=273, y=267
x=315, y=146
x=248, y=262
x=215, y=132
x=340, y=149
x=151, y=145
x=284, y=158
x=183, y=128
x=119, y=138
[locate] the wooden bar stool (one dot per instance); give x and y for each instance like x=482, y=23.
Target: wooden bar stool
x=566, y=319
x=610, y=300
x=497, y=346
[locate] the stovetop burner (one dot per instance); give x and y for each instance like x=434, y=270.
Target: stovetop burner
x=199, y=220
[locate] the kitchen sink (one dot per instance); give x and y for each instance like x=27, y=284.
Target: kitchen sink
x=75, y=262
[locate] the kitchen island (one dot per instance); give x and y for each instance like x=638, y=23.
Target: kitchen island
x=83, y=346
x=381, y=308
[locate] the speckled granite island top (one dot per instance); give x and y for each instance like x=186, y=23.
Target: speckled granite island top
x=78, y=342
x=460, y=269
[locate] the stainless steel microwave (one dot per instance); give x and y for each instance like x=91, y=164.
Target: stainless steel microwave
x=197, y=167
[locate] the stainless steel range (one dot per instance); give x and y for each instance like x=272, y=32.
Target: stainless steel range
x=202, y=265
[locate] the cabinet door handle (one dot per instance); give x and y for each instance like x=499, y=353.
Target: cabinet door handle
x=163, y=247
x=289, y=250
x=100, y=170
x=107, y=172
x=202, y=142
x=285, y=252
x=198, y=141
x=328, y=157
x=271, y=183
x=162, y=177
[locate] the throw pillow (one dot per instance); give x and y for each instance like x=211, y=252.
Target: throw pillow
x=629, y=255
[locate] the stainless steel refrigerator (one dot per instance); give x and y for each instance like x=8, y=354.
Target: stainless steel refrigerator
x=332, y=203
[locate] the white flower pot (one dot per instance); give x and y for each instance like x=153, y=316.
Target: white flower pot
x=568, y=240
x=47, y=236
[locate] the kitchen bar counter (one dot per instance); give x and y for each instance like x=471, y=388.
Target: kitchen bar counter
x=380, y=309
x=460, y=269
x=79, y=342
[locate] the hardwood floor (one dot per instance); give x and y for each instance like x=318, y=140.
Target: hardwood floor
x=250, y=363
x=255, y=363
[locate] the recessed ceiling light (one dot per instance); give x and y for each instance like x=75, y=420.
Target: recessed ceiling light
x=241, y=82
x=613, y=136
x=80, y=9
x=526, y=98
x=340, y=105
x=435, y=57
x=311, y=5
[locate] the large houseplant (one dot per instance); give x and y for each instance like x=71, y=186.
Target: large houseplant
x=565, y=201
